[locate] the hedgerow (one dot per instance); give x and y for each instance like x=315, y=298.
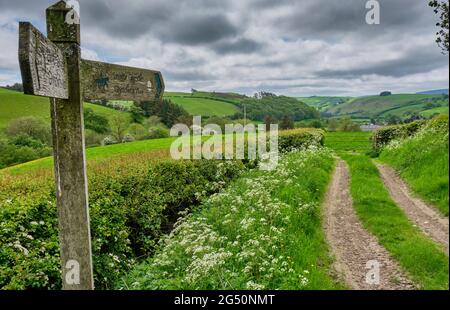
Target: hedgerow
x=383, y=136
x=130, y=208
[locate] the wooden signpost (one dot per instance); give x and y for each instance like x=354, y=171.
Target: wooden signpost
x=52, y=67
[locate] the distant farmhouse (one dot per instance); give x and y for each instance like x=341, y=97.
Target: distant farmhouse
x=370, y=127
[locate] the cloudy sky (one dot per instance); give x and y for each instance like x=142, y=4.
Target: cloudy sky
x=292, y=47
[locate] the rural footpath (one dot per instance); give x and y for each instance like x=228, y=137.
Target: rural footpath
x=357, y=250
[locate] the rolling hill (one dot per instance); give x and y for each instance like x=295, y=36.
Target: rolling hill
x=402, y=105
x=15, y=104
x=434, y=92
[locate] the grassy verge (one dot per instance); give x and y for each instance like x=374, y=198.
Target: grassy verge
x=263, y=232
x=419, y=256
x=422, y=161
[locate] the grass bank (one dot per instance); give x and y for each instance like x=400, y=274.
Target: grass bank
x=422, y=161
x=419, y=256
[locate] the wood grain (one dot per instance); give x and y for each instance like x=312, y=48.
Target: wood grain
x=42, y=64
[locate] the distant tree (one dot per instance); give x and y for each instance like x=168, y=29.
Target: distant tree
x=268, y=120
x=168, y=111
x=333, y=125
x=137, y=113
x=186, y=120
x=152, y=121
x=119, y=125
x=221, y=121
x=95, y=122
x=137, y=131
x=316, y=124
x=393, y=120
x=347, y=125
x=287, y=123
x=385, y=93
x=30, y=126
x=442, y=10
x=15, y=87
x=414, y=117
x=193, y=90
x=263, y=94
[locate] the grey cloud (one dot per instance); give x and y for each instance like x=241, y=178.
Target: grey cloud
x=248, y=33
x=416, y=61
x=334, y=19
x=187, y=75
x=193, y=30
x=239, y=46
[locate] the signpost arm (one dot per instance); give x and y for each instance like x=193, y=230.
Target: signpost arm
x=70, y=158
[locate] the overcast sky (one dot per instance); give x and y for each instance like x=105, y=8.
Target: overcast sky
x=291, y=47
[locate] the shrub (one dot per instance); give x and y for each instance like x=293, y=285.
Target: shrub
x=92, y=138
x=109, y=141
x=20, y=149
x=158, y=132
x=30, y=126
x=137, y=131
x=128, y=138
x=289, y=140
x=130, y=207
x=95, y=122
x=383, y=136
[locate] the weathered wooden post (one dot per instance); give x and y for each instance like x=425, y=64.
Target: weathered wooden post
x=70, y=157
x=52, y=67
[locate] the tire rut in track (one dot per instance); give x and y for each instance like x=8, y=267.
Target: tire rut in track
x=421, y=214
x=354, y=247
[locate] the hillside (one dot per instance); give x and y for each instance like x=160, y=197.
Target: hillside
x=401, y=105
x=204, y=104
x=323, y=103
x=15, y=104
x=434, y=92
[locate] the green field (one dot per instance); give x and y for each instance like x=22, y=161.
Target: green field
x=15, y=104
x=96, y=153
x=203, y=106
x=378, y=106
x=431, y=112
x=353, y=142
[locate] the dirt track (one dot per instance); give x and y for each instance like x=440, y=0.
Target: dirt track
x=352, y=246
x=424, y=216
